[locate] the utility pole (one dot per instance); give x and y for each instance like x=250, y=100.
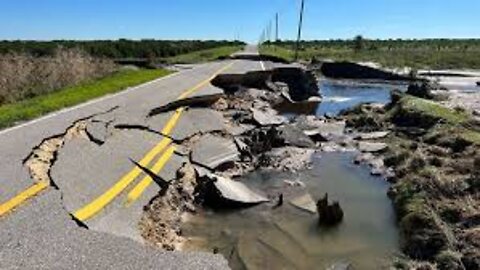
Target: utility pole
x=276, y=27
x=299, y=36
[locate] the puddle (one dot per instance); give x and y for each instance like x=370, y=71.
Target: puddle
x=288, y=238
x=341, y=95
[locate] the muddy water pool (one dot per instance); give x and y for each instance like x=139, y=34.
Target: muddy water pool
x=265, y=237
x=269, y=237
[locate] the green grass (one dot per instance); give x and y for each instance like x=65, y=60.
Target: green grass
x=10, y=114
x=278, y=51
x=471, y=136
x=419, y=58
x=203, y=56
x=434, y=110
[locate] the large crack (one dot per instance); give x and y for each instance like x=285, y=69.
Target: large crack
x=42, y=158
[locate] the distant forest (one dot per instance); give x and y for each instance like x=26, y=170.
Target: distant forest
x=362, y=43
x=116, y=49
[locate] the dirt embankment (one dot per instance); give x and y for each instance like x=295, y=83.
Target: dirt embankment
x=433, y=152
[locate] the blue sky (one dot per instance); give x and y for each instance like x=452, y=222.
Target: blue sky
x=224, y=19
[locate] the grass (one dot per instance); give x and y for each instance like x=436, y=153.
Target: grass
x=278, y=51
x=203, y=55
x=28, y=109
x=418, y=58
x=433, y=110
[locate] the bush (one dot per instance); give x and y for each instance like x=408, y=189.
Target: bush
x=24, y=76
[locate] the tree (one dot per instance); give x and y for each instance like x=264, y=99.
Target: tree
x=358, y=43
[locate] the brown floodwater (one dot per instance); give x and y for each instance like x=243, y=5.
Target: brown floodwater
x=265, y=237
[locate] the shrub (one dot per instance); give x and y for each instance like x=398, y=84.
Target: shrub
x=24, y=76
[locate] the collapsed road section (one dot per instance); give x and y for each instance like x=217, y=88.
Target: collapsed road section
x=249, y=133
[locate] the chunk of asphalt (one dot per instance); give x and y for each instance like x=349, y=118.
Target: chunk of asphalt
x=370, y=147
x=193, y=121
x=235, y=191
x=328, y=130
x=267, y=117
x=213, y=151
x=202, y=98
x=295, y=137
x=305, y=203
x=236, y=130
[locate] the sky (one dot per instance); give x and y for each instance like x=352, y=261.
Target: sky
x=228, y=19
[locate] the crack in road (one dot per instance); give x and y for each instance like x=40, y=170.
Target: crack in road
x=42, y=158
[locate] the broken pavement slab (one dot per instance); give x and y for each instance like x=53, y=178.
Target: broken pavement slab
x=370, y=147
x=328, y=130
x=200, y=98
x=295, y=137
x=213, y=151
x=83, y=175
x=305, y=203
x=267, y=117
x=235, y=191
x=193, y=121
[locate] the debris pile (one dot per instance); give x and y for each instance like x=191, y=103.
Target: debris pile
x=329, y=214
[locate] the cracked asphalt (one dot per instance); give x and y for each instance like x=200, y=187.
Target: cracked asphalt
x=88, y=217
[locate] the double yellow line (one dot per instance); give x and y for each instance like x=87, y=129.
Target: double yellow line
x=93, y=208
x=164, y=147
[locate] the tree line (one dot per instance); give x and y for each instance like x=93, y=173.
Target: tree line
x=361, y=43
x=122, y=48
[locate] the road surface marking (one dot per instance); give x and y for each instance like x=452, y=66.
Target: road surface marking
x=22, y=197
x=138, y=190
x=147, y=181
x=94, y=207
x=99, y=203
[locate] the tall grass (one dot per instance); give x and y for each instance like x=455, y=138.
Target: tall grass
x=23, y=76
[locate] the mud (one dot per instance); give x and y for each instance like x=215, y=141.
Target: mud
x=161, y=223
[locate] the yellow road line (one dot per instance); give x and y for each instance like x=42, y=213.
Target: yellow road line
x=22, y=197
x=196, y=88
x=99, y=203
x=94, y=207
x=138, y=190
x=147, y=180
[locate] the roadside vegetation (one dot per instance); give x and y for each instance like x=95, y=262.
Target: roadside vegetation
x=30, y=108
x=24, y=76
x=116, y=49
x=203, y=55
x=418, y=54
x=433, y=151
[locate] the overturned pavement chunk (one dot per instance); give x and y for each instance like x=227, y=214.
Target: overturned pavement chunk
x=235, y=191
x=305, y=202
x=213, y=151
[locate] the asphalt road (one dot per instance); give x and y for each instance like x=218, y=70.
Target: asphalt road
x=96, y=182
